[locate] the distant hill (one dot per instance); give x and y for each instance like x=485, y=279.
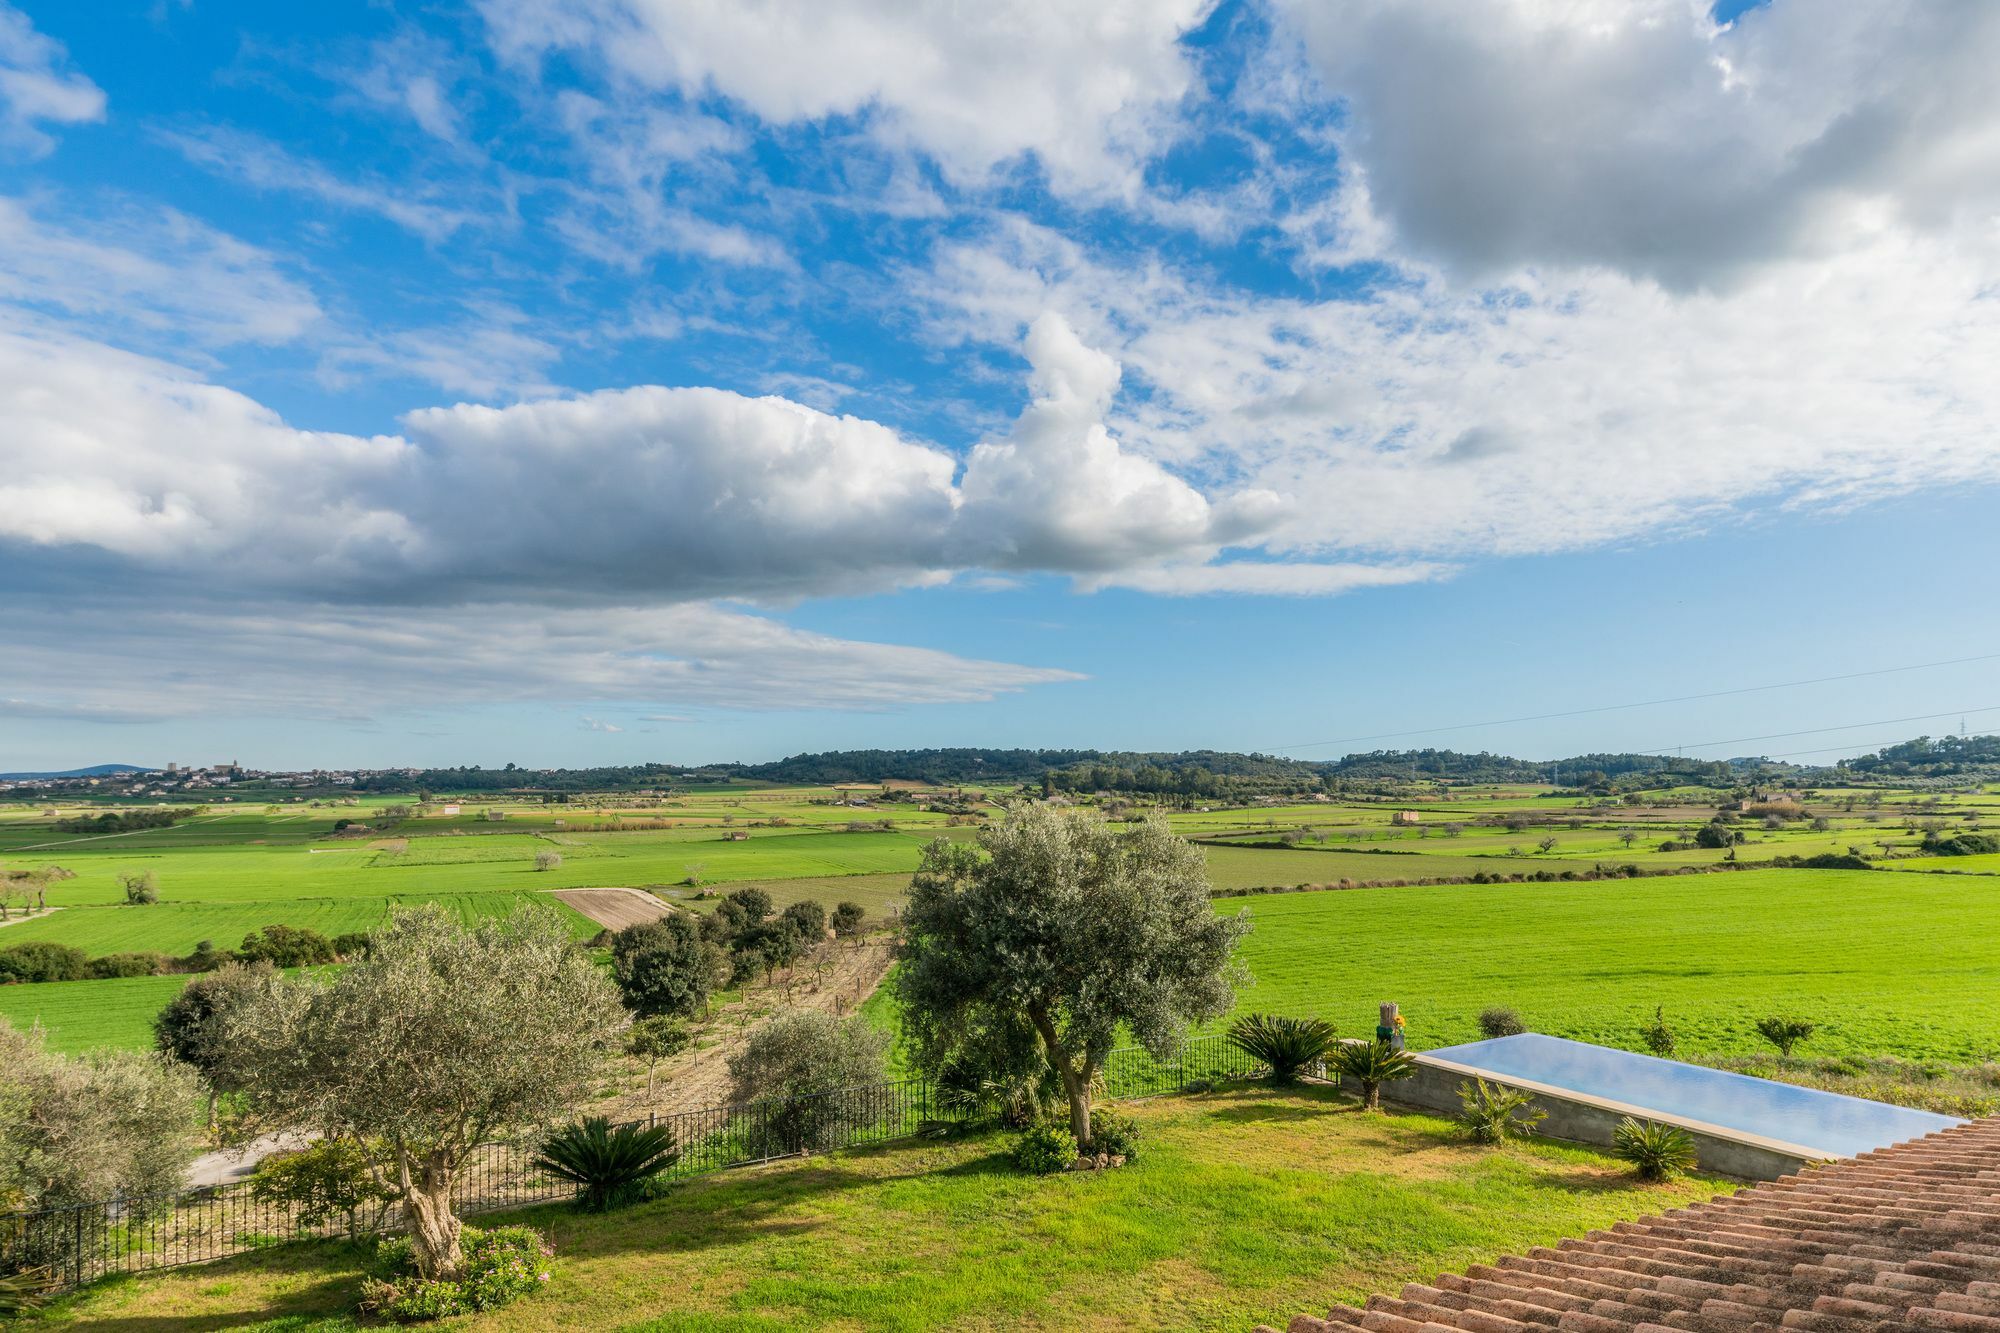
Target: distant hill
x=94, y=771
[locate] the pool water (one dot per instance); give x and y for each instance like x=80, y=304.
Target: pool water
x=1834, y=1124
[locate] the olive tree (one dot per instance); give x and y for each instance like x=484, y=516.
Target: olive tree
x=442, y=1040
x=81, y=1129
x=1055, y=934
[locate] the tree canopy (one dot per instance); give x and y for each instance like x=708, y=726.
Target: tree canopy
x=1056, y=935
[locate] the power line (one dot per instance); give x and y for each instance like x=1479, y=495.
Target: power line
x=1643, y=703
x=1814, y=731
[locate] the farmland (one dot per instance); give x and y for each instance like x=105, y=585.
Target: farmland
x=1861, y=951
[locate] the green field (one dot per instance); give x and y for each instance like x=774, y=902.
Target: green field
x=79, y=1015
x=1902, y=964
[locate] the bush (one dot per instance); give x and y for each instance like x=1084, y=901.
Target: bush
x=1658, y=1036
x=22, y=1292
x=548, y=860
x=1785, y=1033
x=1113, y=1132
x=1500, y=1021
x=1963, y=844
x=1371, y=1064
x=610, y=1165
x=1656, y=1151
x=131, y=965
x=847, y=919
x=287, y=946
x=354, y=944
x=1044, y=1149
x=41, y=960
x=1492, y=1113
x=815, y=1071
x=1287, y=1045
x=501, y=1266
x=320, y=1182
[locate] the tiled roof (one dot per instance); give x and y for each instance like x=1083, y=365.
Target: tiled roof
x=1894, y=1241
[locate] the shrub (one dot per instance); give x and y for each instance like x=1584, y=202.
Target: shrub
x=1044, y=1149
x=847, y=919
x=500, y=1267
x=1716, y=834
x=42, y=960
x=1785, y=1033
x=324, y=1180
x=22, y=1292
x=1658, y=1036
x=1114, y=1132
x=1492, y=1113
x=815, y=1070
x=1500, y=1021
x=1287, y=1045
x=1371, y=1064
x=130, y=965
x=1963, y=844
x=287, y=946
x=354, y=944
x=610, y=1165
x=1656, y=1151
x=805, y=919
x=548, y=860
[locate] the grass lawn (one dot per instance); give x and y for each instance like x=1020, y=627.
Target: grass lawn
x=1887, y=964
x=1247, y=1205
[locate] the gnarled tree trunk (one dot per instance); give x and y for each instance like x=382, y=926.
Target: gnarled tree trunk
x=434, y=1227
x=1075, y=1082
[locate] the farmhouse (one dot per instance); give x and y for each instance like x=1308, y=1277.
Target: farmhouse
x=1404, y=817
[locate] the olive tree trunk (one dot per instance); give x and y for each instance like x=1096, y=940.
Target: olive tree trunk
x=434, y=1227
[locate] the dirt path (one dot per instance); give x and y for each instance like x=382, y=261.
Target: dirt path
x=700, y=1077
x=33, y=916
x=614, y=909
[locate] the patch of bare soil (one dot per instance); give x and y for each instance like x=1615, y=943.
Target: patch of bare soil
x=837, y=979
x=614, y=909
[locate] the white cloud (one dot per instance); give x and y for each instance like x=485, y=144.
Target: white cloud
x=264, y=165
x=313, y=660
x=37, y=88
x=1557, y=413
x=1639, y=135
x=155, y=271
x=1087, y=89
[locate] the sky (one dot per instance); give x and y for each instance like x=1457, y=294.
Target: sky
x=573, y=382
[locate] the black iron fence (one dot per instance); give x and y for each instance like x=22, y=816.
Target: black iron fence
x=91, y=1241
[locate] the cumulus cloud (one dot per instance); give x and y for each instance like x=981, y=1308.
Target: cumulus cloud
x=1564, y=412
x=1086, y=89
x=37, y=87
x=1642, y=136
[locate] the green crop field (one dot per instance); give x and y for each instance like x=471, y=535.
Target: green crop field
x=80, y=1015
x=1901, y=964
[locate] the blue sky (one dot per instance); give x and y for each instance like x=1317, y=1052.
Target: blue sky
x=589, y=381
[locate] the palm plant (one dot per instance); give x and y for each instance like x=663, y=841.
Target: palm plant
x=23, y=1291
x=1494, y=1113
x=1371, y=1064
x=1656, y=1151
x=1287, y=1045
x=609, y=1164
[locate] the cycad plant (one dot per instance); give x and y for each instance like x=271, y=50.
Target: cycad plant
x=1287, y=1045
x=1494, y=1113
x=1656, y=1151
x=1371, y=1064
x=609, y=1164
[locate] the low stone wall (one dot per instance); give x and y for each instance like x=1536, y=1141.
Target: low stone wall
x=1579, y=1118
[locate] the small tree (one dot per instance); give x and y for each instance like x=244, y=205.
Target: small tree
x=1500, y=1021
x=548, y=860
x=1547, y=845
x=444, y=1039
x=662, y=966
x=804, y=1062
x=1057, y=925
x=847, y=920
x=1371, y=1064
x=654, y=1039
x=194, y=1026
x=1658, y=1036
x=141, y=887
x=1785, y=1033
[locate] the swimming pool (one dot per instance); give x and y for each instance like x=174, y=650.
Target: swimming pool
x=1829, y=1122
